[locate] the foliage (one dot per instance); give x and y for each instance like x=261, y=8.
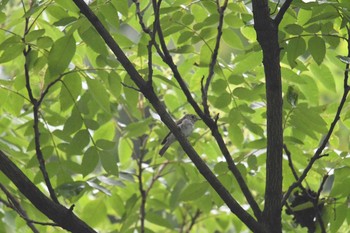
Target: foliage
x=100, y=137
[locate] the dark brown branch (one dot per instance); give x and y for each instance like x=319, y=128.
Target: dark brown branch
x=36, y=107
x=142, y=193
x=316, y=204
x=214, y=56
x=282, y=11
x=140, y=16
x=149, y=93
x=56, y=212
x=131, y=87
x=292, y=168
x=210, y=123
x=318, y=153
x=267, y=36
x=290, y=162
x=193, y=220
x=14, y=204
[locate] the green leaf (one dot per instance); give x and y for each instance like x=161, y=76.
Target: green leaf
x=121, y=6
x=183, y=49
x=73, y=123
x=125, y=150
x=185, y=36
x=99, y=93
x=11, y=50
x=33, y=35
x=247, y=62
x=70, y=91
x=194, y=191
x=222, y=100
x=71, y=189
x=93, y=40
x=61, y=54
x=324, y=75
x=341, y=212
x=80, y=140
x=294, y=29
x=139, y=128
x=254, y=128
x=341, y=179
x=109, y=162
x=221, y=168
x=234, y=20
x=236, y=135
x=90, y=161
x=115, y=84
x=232, y=39
x=244, y=94
x=295, y=48
x=99, y=210
x=317, y=48
x=159, y=220
x=98, y=187
x=44, y=42
x=253, y=162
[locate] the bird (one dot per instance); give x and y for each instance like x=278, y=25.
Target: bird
x=185, y=124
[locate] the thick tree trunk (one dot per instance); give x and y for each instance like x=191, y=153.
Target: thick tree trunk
x=267, y=33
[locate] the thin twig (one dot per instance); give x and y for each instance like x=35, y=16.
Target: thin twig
x=319, y=151
x=143, y=195
x=208, y=121
x=316, y=204
x=214, y=56
x=290, y=162
x=36, y=107
x=282, y=11
x=14, y=204
x=193, y=220
x=140, y=16
x=131, y=87
x=149, y=93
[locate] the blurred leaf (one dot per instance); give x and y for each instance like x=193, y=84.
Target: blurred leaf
x=90, y=161
x=292, y=96
x=93, y=40
x=317, y=48
x=98, y=92
x=194, y=191
x=232, y=39
x=61, y=54
x=295, y=48
x=294, y=29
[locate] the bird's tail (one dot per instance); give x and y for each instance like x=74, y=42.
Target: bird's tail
x=164, y=148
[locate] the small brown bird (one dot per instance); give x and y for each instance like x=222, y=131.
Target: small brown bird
x=186, y=125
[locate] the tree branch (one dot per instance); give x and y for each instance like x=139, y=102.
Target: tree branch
x=318, y=153
x=214, y=56
x=267, y=36
x=282, y=11
x=159, y=107
x=64, y=217
x=210, y=123
x=14, y=204
x=36, y=106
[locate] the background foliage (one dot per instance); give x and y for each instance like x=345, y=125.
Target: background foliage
x=100, y=137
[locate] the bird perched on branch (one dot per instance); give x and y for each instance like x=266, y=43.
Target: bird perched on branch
x=185, y=124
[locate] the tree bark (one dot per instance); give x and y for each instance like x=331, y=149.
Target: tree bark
x=267, y=35
x=64, y=217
